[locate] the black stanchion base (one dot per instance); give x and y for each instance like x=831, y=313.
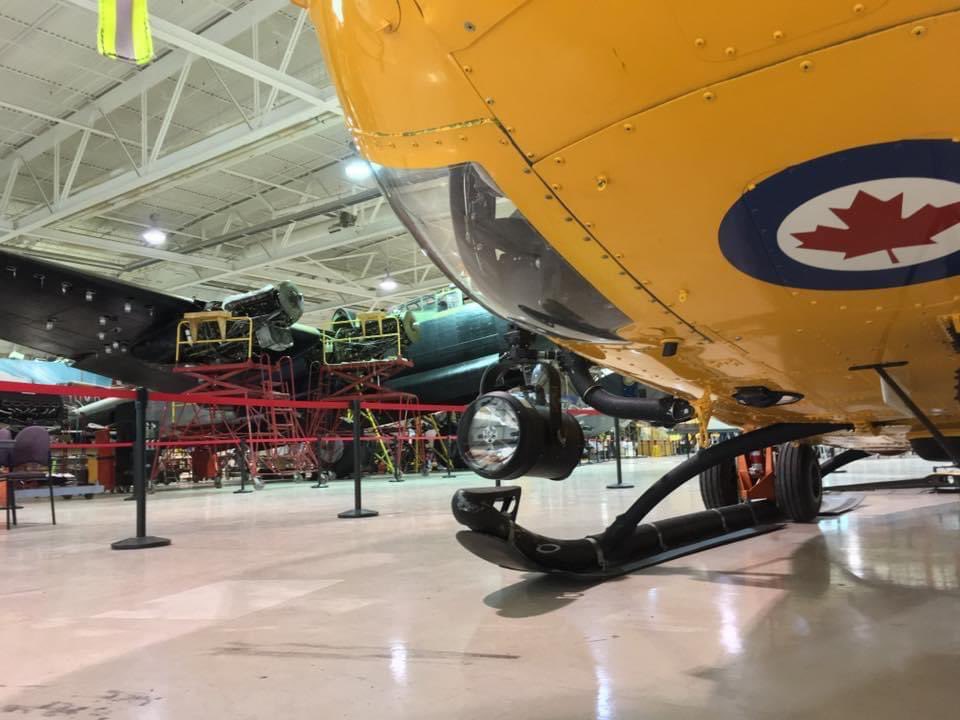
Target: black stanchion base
x=137, y=543
x=318, y=486
x=129, y=498
x=242, y=491
x=396, y=480
x=619, y=486
x=357, y=513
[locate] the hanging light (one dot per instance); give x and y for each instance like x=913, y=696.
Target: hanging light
x=88, y=295
x=50, y=322
x=102, y=320
x=154, y=235
x=388, y=283
x=101, y=335
x=127, y=306
x=358, y=170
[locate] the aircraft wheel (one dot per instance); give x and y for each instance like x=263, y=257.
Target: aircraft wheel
x=719, y=485
x=798, y=485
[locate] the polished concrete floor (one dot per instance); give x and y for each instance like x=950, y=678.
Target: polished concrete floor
x=267, y=605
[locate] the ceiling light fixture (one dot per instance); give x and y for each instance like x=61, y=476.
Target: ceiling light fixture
x=388, y=283
x=358, y=170
x=153, y=235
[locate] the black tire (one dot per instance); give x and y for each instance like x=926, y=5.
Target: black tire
x=719, y=485
x=798, y=484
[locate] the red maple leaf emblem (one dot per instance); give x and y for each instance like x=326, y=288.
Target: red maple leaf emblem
x=875, y=225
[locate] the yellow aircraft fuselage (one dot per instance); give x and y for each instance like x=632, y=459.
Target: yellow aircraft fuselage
x=775, y=186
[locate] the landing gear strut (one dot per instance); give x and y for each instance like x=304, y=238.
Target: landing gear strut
x=789, y=475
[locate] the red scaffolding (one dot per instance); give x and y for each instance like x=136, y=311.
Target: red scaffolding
x=272, y=435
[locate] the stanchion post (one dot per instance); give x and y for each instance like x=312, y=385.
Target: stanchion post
x=141, y=540
x=357, y=511
x=448, y=448
x=398, y=453
x=244, y=469
x=321, y=483
x=619, y=485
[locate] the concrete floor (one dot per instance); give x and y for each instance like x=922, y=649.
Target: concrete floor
x=267, y=605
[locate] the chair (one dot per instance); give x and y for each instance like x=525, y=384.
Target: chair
x=29, y=460
x=6, y=457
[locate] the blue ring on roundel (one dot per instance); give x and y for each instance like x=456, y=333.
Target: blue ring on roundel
x=748, y=232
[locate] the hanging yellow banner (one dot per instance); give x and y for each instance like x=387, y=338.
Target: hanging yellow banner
x=123, y=31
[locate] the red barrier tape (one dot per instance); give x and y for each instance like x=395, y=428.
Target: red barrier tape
x=212, y=399
x=85, y=390
x=249, y=441
x=419, y=407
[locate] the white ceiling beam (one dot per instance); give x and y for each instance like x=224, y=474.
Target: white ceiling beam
x=171, y=109
x=305, y=242
x=74, y=166
x=54, y=119
x=11, y=181
x=223, y=149
x=274, y=185
x=400, y=293
x=285, y=61
x=230, y=27
x=222, y=55
x=313, y=283
x=126, y=248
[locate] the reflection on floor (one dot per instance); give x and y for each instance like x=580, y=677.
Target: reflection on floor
x=267, y=605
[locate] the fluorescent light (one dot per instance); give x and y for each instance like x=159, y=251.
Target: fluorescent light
x=358, y=170
x=388, y=283
x=154, y=236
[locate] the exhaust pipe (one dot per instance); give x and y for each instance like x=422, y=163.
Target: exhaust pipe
x=665, y=412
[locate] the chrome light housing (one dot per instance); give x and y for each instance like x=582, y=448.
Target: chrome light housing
x=502, y=437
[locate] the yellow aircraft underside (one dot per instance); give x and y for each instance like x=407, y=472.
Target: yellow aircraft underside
x=625, y=132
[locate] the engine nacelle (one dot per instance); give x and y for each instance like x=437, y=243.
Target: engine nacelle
x=280, y=304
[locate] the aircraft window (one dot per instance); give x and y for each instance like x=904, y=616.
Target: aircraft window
x=486, y=246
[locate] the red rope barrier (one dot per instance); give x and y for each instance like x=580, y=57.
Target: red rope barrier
x=249, y=441
x=212, y=399
x=419, y=407
x=85, y=390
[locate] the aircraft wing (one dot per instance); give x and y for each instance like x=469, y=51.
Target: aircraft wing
x=82, y=305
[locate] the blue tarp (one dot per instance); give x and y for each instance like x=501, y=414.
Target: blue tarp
x=47, y=373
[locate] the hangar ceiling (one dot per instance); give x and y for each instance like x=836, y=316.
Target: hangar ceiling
x=232, y=141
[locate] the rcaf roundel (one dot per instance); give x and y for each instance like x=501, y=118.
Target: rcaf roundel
x=871, y=217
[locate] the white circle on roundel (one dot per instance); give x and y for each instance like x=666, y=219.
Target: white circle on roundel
x=875, y=225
